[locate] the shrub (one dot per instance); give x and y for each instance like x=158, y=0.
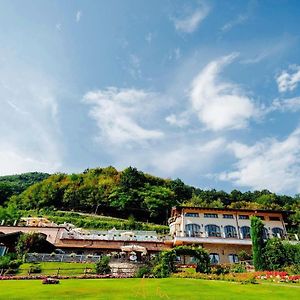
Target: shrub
x=238, y=268
x=144, y=271
x=220, y=269
x=4, y=262
x=243, y=255
x=102, y=266
x=35, y=269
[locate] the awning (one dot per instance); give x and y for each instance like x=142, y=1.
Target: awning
x=135, y=248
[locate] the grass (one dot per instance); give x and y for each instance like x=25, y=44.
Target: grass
x=169, y=288
x=51, y=268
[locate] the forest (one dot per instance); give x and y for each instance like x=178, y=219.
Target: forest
x=107, y=191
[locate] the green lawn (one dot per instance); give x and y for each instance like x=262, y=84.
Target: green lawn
x=51, y=268
x=169, y=288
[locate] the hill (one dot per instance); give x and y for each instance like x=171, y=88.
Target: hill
x=116, y=193
x=16, y=184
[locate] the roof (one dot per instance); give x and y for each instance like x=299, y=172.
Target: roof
x=235, y=209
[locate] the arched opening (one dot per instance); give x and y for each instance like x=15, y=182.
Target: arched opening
x=192, y=230
x=245, y=232
x=230, y=231
x=277, y=232
x=213, y=230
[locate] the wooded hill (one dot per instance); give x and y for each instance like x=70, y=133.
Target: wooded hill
x=131, y=192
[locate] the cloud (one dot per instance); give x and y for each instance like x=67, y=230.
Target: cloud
x=29, y=126
x=134, y=66
x=239, y=20
x=269, y=164
x=149, y=37
x=174, y=157
x=181, y=120
x=119, y=113
x=219, y=104
x=285, y=105
x=58, y=26
x=193, y=156
x=288, y=81
x=78, y=16
x=190, y=22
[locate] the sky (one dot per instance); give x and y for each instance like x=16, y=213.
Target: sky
x=206, y=91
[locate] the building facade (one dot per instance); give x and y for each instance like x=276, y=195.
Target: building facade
x=223, y=232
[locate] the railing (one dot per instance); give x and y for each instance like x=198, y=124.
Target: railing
x=79, y=258
x=44, y=257
x=109, y=237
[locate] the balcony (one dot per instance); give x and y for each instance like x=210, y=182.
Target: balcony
x=202, y=239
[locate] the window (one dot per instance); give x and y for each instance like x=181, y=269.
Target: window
x=193, y=215
x=210, y=215
x=243, y=217
x=274, y=219
x=214, y=258
x=233, y=258
x=212, y=230
x=192, y=230
x=265, y=233
x=261, y=217
x=226, y=216
x=2, y=250
x=277, y=232
x=245, y=231
x=230, y=231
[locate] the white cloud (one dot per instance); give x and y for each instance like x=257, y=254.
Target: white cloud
x=220, y=104
x=190, y=23
x=285, y=105
x=149, y=37
x=181, y=120
x=239, y=20
x=269, y=164
x=134, y=67
x=119, y=113
x=29, y=130
x=58, y=26
x=174, y=157
x=78, y=16
x=192, y=156
x=288, y=81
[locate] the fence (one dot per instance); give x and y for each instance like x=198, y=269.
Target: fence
x=44, y=257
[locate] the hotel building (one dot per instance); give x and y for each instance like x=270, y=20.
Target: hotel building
x=223, y=232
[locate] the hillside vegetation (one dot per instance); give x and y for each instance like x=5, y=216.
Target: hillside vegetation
x=131, y=192
x=16, y=184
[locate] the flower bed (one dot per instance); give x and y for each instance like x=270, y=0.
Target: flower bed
x=42, y=277
x=236, y=277
x=277, y=276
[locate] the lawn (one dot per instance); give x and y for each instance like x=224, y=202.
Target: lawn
x=51, y=268
x=169, y=288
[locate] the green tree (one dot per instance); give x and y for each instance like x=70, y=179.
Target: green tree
x=257, y=228
x=102, y=266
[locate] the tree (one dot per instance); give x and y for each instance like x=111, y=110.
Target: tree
x=257, y=228
x=275, y=256
x=102, y=266
x=131, y=178
x=31, y=242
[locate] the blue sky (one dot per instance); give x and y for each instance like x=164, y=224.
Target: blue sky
x=207, y=91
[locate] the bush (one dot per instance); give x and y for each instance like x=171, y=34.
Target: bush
x=4, y=262
x=35, y=269
x=238, y=268
x=220, y=269
x=102, y=266
x=144, y=271
x=243, y=255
